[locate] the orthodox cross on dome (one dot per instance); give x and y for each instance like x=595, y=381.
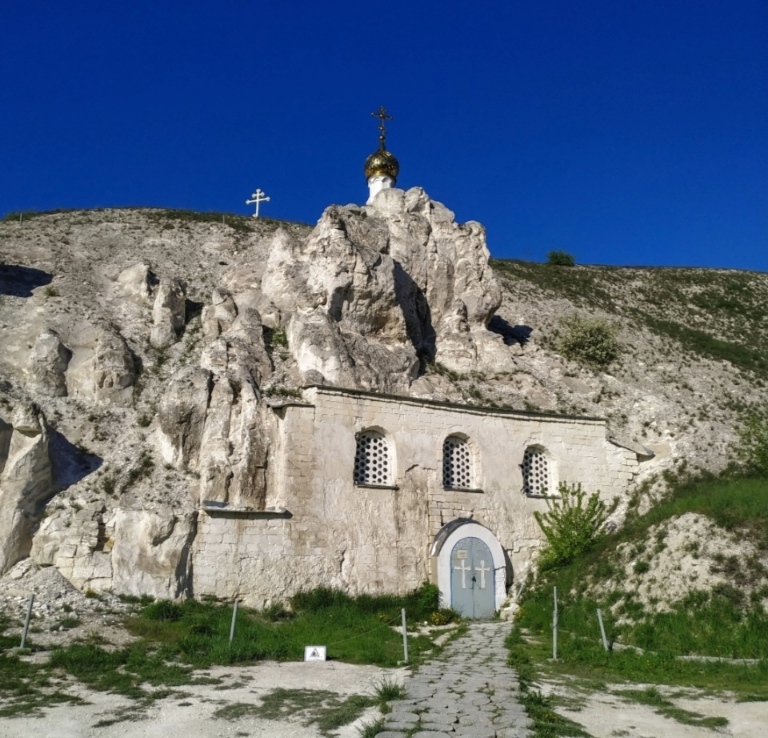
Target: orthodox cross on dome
x=258, y=197
x=382, y=115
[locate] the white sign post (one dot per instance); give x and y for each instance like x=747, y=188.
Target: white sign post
x=314, y=653
x=258, y=197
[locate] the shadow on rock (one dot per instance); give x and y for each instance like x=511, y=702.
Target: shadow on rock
x=510, y=333
x=19, y=281
x=70, y=463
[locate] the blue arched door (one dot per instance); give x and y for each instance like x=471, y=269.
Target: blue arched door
x=472, y=579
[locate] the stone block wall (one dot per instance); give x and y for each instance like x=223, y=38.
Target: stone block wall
x=377, y=539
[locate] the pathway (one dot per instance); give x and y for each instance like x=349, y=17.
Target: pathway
x=469, y=692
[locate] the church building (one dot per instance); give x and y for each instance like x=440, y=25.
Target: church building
x=376, y=492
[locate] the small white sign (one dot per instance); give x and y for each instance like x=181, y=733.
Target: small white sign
x=461, y=554
x=314, y=653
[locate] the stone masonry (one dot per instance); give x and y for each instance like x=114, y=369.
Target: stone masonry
x=319, y=527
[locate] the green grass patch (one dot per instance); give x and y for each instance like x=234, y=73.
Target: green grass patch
x=718, y=314
x=735, y=504
x=653, y=698
x=326, y=710
x=127, y=671
x=722, y=623
x=356, y=630
x=177, y=638
x=25, y=689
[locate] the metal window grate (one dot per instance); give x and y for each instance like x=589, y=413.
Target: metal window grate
x=535, y=472
x=372, y=463
x=457, y=463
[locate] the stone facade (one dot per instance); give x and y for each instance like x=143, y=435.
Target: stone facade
x=319, y=527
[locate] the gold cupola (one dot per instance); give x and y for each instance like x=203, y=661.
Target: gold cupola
x=382, y=163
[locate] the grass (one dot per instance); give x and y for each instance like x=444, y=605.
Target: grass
x=326, y=710
x=736, y=504
x=26, y=689
x=721, y=623
x=356, y=630
x=718, y=314
x=653, y=698
x=175, y=639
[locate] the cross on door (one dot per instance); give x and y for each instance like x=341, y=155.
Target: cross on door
x=463, y=569
x=482, y=569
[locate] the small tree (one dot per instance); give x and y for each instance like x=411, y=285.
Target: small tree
x=589, y=341
x=751, y=450
x=572, y=525
x=560, y=258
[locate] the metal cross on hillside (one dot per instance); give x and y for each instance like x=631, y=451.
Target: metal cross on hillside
x=382, y=115
x=258, y=197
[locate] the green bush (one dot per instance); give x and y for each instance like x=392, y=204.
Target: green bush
x=751, y=450
x=572, y=525
x=560, y=258
x=163, y=610
x=589, y=341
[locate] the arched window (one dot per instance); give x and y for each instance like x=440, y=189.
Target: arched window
x=457, y=463
x=372, y=459
x=536, y=472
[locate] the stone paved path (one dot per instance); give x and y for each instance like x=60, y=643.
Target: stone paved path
x=469, y=691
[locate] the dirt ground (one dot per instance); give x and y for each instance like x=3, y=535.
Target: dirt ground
x=190, y=714
x=607, y=715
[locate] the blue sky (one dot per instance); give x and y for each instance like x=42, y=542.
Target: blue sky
x=622, y=131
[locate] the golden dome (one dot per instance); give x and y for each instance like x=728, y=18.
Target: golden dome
x=382, y=163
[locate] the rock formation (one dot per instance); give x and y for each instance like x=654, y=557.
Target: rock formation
x=26, y=481
x=140, y=353
x=374, y=292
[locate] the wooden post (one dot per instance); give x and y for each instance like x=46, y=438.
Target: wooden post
x=405, y=637
x=26, y=622
x=232, y=628
x=602, y=629
x=554, y=629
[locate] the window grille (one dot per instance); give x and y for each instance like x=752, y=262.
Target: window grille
x=457, y=463
x=535, y=472
x=372, y=462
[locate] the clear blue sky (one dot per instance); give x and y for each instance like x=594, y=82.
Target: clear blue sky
x=622, y=131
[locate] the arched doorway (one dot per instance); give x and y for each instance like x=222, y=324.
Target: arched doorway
x=470, y=567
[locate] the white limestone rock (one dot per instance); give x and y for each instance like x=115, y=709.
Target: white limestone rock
x=220, y=314
x=168, y=313
x=150, y=555
x=26, y=481
x=137, y=282
x=47, y=364
x=102, y=369
x=374, y=291
x=181, y=415
x=235, y=438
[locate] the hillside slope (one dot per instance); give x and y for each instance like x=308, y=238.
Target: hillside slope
x=112, y=323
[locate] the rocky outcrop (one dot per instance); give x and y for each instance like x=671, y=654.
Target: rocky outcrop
x=76, y=541
x=212, y=419
x=150, y=555
x=26, y=481
x=137, y=282
x=220, y=314
x=102, y=368
x=376, y=291
x=181, y=416
x=168, y=313
x=48, y=363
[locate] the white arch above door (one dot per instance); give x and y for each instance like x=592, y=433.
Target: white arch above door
x=447, y=537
